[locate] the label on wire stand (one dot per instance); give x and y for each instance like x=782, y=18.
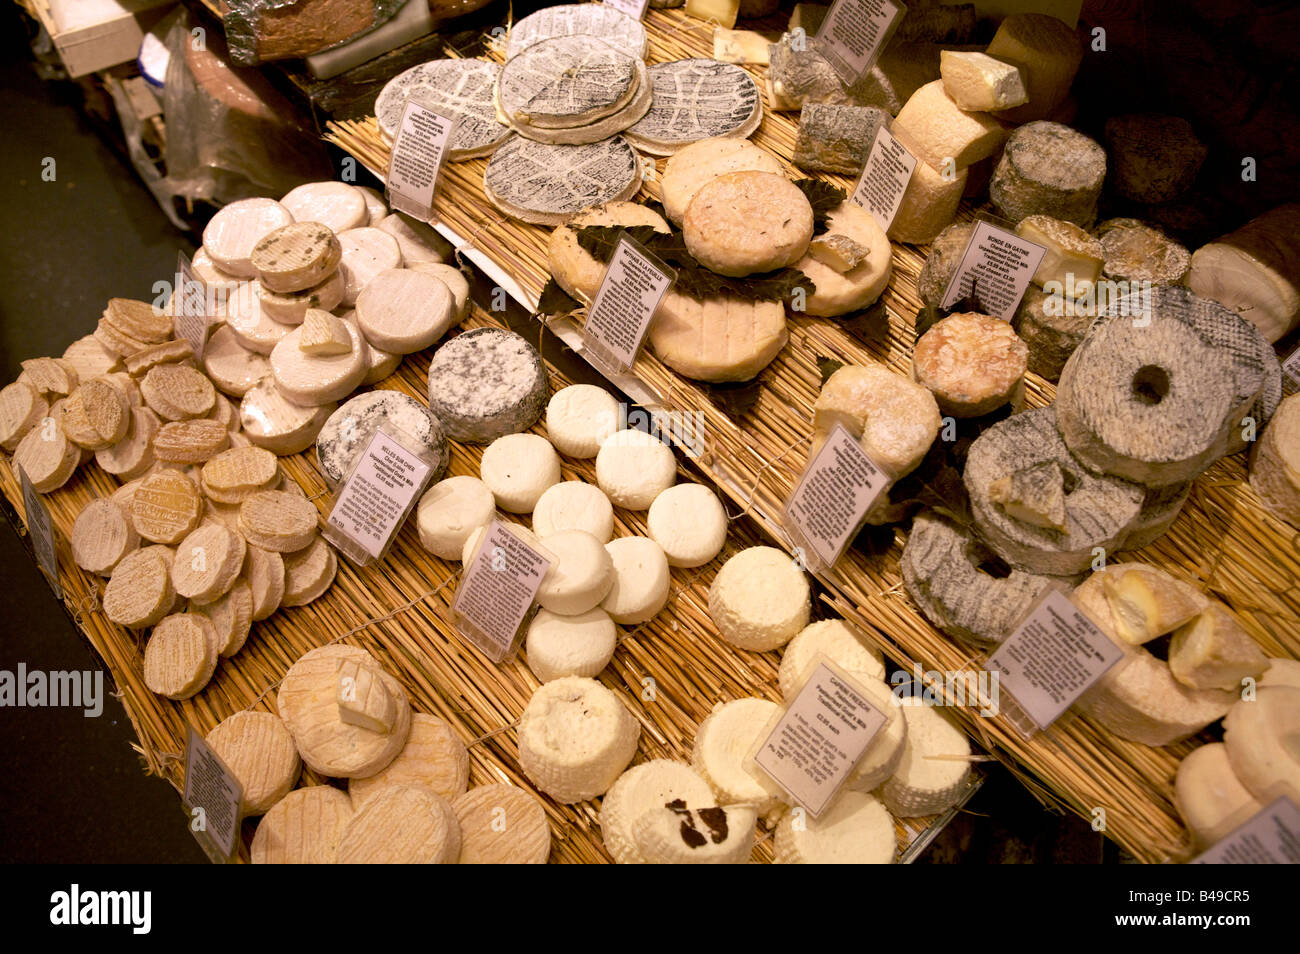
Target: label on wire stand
x=498, y=590
x=1271, y=837
x=854, y=33
x=884, y=178
x=40, y=530
x=211, y=798
x=377, y=496
x=418, y=153
x=996, y=267
x=629, y=295
x=190, y=306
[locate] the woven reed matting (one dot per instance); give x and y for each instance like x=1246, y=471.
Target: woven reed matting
x=1224, y=539
x=691, y=667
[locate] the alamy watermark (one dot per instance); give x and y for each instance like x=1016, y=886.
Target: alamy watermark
x=684, y=429
x=1087, y=298
x=60, y=688
x=968, y=688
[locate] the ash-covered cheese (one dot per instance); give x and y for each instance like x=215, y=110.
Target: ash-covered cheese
x=1049, y=169
x=696, y=99
x=486, y=383
x=566, y=81
x=611, y=26
x=462, y=90
x=1050, y=329
x=1153, y=158
x=836, y=138
x=549, y=184
x=349, y=429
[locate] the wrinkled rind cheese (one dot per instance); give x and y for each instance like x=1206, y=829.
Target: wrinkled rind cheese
x=894, y=420
x=746, y=222
x=839, y=293
x=1275, y=462
x=835, y=138
x=1137, y=252
x=838, y=252
x=972, y=364
x=929, y=204
x=1153, y=158
x=1049, y=169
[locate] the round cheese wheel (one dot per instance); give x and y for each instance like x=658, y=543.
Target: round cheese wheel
x=701, y=162
x=580, y=576
x=971, y=363
x=297, y=256
x=231, y=234
x=580, y=644
x=271, y=421
x=233, y=368
x=689, y=523
x=579, y=418
x=501, y=825
x=231, y=615
x=207, y=562
x=264, y=573
x=252, y=327
x=101, y=536
x=402, y=311
x=760, y=599
x=486, y=383
x=450, y=511
x=290, y=308
x=277, y=520
x=303, y=828
x=308, y=572
x=259, y=751
x=402, y=825
x=336, y=205
x=746, y=222
x=574, y=505
x=575, y=738
x=310, y=379
x=576, y=270
x=633, y=468
x=641, y=580
x=518, y=469
x=434, y=757
x=366, y=252
x=132, y=456
x=179, y=658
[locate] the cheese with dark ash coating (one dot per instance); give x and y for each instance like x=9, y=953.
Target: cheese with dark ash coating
x=349, y=429
x=486, y=383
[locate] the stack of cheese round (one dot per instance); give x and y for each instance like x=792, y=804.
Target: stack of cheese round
x=462, y=90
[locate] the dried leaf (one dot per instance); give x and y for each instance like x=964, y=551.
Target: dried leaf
x=874, y=540
x=870, y=326
x=554, y=300
x=827, y=367
x=823, y=197
x=737, y=398
x=926, y=318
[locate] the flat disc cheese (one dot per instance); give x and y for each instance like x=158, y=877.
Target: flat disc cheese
x=570, y=645
x=486, y=383
x=611, y=26
x=303, y=828
x=502, y=825
x=723, y=742
x=1136, y=252
x=580, y=417
x=259, y=752
x=634, y=467
x=696, y=99
x=580, y=576
x=717, y=339
x=643, y=788
x=450, y=511
x=401, y=311
x=249, y=324
x=366, y=252
x=190, y=442
x=693, y=166
x=231, y=615
x=233, y=232
x=453, y=278
x=271, y=421
x=336, y=205
x=402, y=825
x=434, y=757
x=311, y=380
x=641, y=580
x=21, y=409
x=566, y=81
x=576, y=270
x=549, y=184
x=297, y=256
x=307, y=700
x=518, y=469
x=351, y=428
x=101, y=536
x=689, y=523
x=746, y=222
x=264, y=573
x=308, y=572
x=179, y=659
x=166, y=507
x=139, y=593
x=177, y=392
x=46, y=456
x=574, y=505
x=895, y=420
x=51, y=377
x=276, y=520
x=836, y=292
x=90, y=358
x=207, y=562
x=233, y=368
x=289, y=308
x=759, y=600
x=462, y=89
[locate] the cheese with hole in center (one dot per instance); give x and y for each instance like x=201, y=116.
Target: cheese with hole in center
x=759, y=600
x=404, y=824
x=232, y=234
x=641, y=580
x=502, y=825
x=1214, y=651
x=101, y=536
x=1261, y=738
x=434, y=757
x=574, y=505
x=580, y=644
x=450, y=511
x=895, y=420
x=717, y=339
x=1049, y=169
x=938, y=131
x=1209, y=796
x=1047, y=53
x=259, y=752
x=179, y=658
x=304, y=827
x=971, y=363
x=694, y=166
x=575, y=738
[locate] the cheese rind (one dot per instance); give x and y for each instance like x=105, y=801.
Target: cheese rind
x=1209, y=796
x=404, y=824
x=895, y=420
x=297, y=256
x=840, y=292
x=935, y=768
x=717, y=339
x=179, y=658
x=231, y=235
x=501, y=824
x=1049, y=169
x=1048, y=54
x=693, y=166
x=1214, y=651
x=929, y=204
x=971, y=363
x=259, y=751
x=302, y=828
x=688, y=521
x=641, y=580
x=548, y=184
x=580, y=576
x=841, y=642
x=486, y=383
x=518, y=469
x=570, y=645
x=1074, y=259
x=939, y=131
x=759, y=600
x=856, y=829
x=574, y=505
x=433, y=757
x=697, y=99
x=836, y=138
x=1275, y=462
x=579, y=418
x=1260, y=736
x=450, y=511
x=576, y=270
x=1153, y=158
x=723, y=743
x=642, y=788
x=746, y=222
x=633, y=467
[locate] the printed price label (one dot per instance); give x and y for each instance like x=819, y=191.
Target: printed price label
x=884, y=178
x=41, y=531
x=1051, y=659
x=996, y=267
x=634, y=285
x=832, y=497
x=633, y=8
x=376, y=497
x=417, y=156
x=820, y=737
x=498, y=590
x=854, y=32
x=190, y=305
x=1271, y=837
x=212, y=795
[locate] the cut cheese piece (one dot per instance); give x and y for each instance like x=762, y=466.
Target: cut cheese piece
x=1048, y=54
x=838, y=252
x=336, y=205
x=723, y=743
x=940, y=132
x=1153, y=158
x=362, y=698
x=935, y=769
x=579, y=418
x=840, y=642
x=1214, y=651
x=724, y=13
x=977, y=81
x=139, y=593
x=303, y=828
x=574, y=505
x=518, y=469
x=404, y=824
x=502, y=825
x=718, y=339
x=167, y=352
x=366, y=252
x=971, y=363
x=580, y=576
x=570, y=645
x=759, y=600
x=1136, y=252
x=894, y=420
x=486, y=383
x=179, y=658
x=838, y=292
x=928, y=205
x=549, y=184
x=641, y=580
x=697, y=99
x=259, y=752
x=1074, y=258
x=641, y=789
x=232, y=234
x=307, y=702
x=1139, y=700
x=351, y=428
x=575, y=738
x=1035, y=495
x=692, y=167
x=434, y=757
x=1254, y=272
x=633, y=468
x=273, y=422
x=1262, y=739
x=688, y=521
x=324, y=335
x=51, y=377
x=1049, y=169
x=835, y=138
x=1275, y=462
x=1146, y=602
x=460, y=89
x=856, y=830
x=101, y=536
x=450, y=511
x=1209, y=796
x=301, y=255
x=311, y=380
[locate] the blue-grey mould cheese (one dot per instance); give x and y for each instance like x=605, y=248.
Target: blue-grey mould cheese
x=486, y=383
x=836, y=138
x=696, y=99
x=349, y=429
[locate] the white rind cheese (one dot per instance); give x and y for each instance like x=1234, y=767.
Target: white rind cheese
x=1209, y=796
x=644, y=788
x=401, y=311
x=259, y=751
x=935, y=769
x=634, y=467
x=518, y=469
x=641, y=580
x=580, y=576
x=838, y=641
x=231, y=234
x=450, y=511
x=895, y=420
x=349, y=429
x=759, y=600
x=856, y=830
x=688, y=521
x=579, y=644
x=433, y=757
x=1214, y=651
x=676, y=835
x=574, y=505
x=1261, y=738
x=579, y=418
x=693, y=166
x=723, y=743
x=304, y=827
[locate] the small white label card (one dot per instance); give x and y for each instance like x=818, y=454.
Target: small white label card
x=854, y=32
x=632, y=8
x=417, y=156
x=376, y=497
x=996, y=268
x=819, y=738
x=1270, y=837
x=884, y=178
x=211, y=798
x=190, y=305
x=40, y=530
x=497, y=591
x=1051, y=658
x=831, y=499
x=634, y=285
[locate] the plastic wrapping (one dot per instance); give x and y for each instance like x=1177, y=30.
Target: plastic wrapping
x=229, y=134
x=259, y=30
